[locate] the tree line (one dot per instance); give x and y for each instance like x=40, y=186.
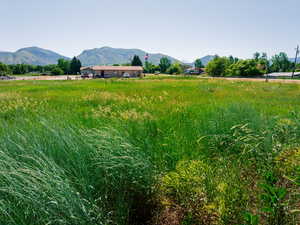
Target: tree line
x=165, y=66
x=225, y=66
x=219, y=66
x=63, y=66
x=257, y=66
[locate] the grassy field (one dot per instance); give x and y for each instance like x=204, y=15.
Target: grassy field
x=149, y=151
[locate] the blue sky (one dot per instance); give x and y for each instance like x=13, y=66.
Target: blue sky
x=186, y=29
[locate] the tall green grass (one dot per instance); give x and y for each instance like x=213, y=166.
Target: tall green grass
x=165, y=151
x=60, y=174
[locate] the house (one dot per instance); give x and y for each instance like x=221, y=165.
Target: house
x=195, y=71
x=112, y=71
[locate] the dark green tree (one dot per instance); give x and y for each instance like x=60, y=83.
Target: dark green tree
x=244, y=68
x=164, y=64
x=175, y=69
x=49, y=68
x=256, y=56
x=264, y=56
x=217, y=66
x=263, y=63
x=57, y=71
x=64, y=65
x=4, y=70
x=75, y=66
x=198, y=63
x=149, y=67
x=19, y=69
x=232, y=59
x=136, y=61
x=281, y=63
x=40, y=69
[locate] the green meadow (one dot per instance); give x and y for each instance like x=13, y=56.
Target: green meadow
x=149, y=151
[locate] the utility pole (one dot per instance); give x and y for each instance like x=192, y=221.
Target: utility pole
x=297, y=51
x=267, y=71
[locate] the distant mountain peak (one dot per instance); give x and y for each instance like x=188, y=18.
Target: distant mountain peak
x=206, y=59
x=105, y=47
x=31, y=55
x=30, y=49
x=108, y=56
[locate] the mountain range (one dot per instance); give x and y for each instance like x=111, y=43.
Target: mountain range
x=32, y=55
x=293, y=60
x=96, y=56
x=108, y=55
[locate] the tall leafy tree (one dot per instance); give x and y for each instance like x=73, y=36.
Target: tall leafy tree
x=198, y=63
x=281, y=63
x=256, y=56
x=164, y=64
x=40, y=69
x=136, y=61
x=244, y=68
x=49, y=68
x=57, y=71
x=232, y=59
x=19, y=69
x=75, y=66
x=149, y=67
x=264, y=55
x=4, y=70
x=217, y=67
x=64, y=65
x=175, y=69
x=263, y=64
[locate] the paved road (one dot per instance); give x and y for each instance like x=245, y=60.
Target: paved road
x=77, y=77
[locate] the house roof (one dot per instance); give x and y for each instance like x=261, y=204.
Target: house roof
x=114, y=68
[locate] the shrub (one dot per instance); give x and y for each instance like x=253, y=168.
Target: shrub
x=164, y=64
x=204, y=194
x=57, y=71
x=288, y=163
x=217, y=67
x=288, y=169
x=4, y=69
x=175, y=69
x=246, y=68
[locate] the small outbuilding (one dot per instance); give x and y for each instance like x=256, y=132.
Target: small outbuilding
x=195, y=71
x=111, y=71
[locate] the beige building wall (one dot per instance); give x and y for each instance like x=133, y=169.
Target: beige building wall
x=111, y=73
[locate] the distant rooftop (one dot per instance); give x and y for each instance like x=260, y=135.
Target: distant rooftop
x=113, y=68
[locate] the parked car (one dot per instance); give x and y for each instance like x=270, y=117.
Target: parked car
x=46, y=74
x=98, y=76
x=83, y=76
x=126, y=75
